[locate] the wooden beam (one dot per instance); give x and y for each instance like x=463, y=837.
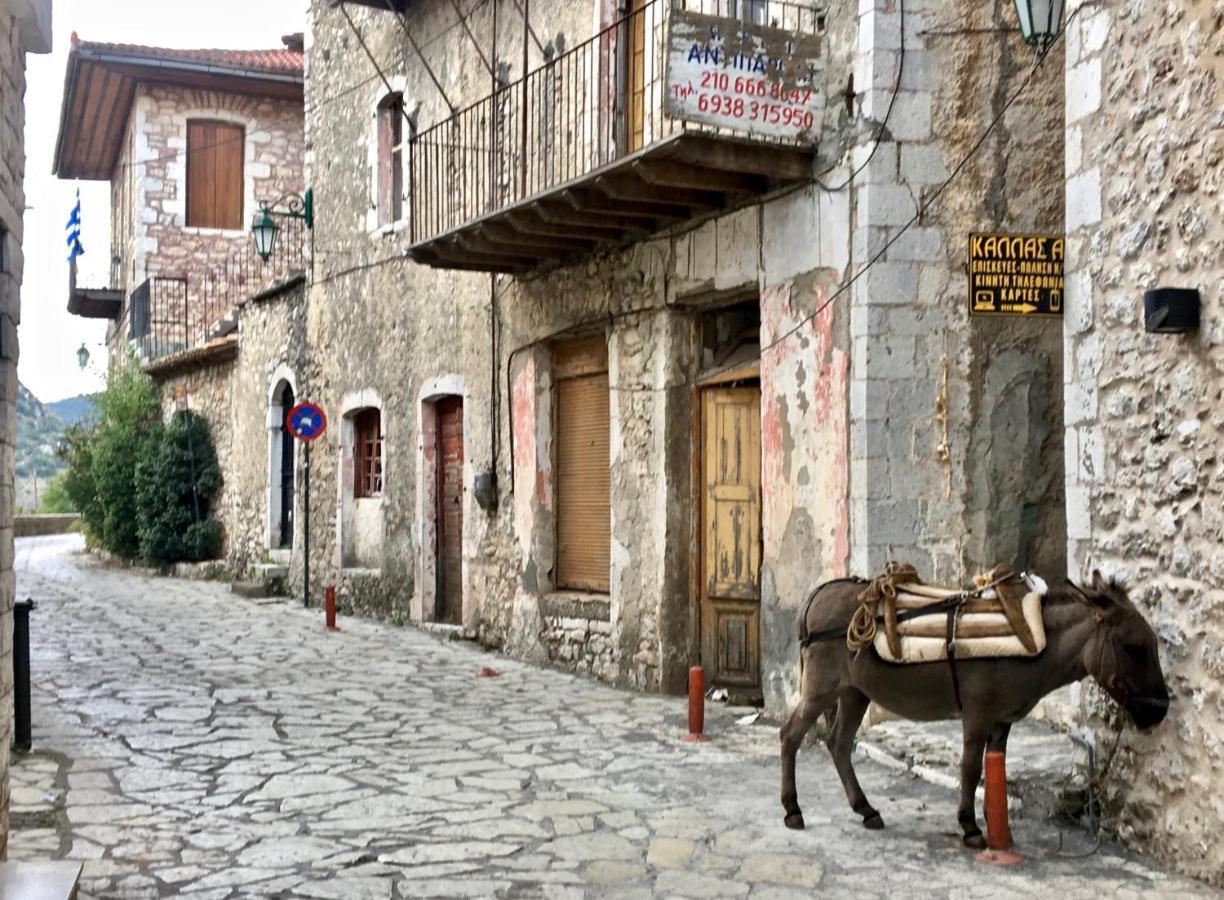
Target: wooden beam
x=560, y=213
x=507, y=235
x=663, y=172
x=632, y=189
x=779, y=164
x=485, y=246
x=594, y=202
x=425, y=258
x=528, y=221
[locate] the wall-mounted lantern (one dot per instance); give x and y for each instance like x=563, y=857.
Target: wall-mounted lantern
x=265, y=228
x=82, y=356
x=1040, y=21
x=1171, y=310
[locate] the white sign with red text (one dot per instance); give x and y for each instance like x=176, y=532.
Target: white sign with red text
x=750, y=78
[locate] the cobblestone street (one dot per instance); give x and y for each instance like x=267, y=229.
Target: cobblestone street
x=189, y=742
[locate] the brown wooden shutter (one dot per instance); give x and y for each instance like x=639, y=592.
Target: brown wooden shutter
x=583, y=480
x=214, y=174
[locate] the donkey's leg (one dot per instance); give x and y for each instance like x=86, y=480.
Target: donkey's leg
x=975, y=736
x=851, y=706
x=818, y=692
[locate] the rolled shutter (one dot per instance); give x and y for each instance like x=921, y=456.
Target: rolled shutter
x=583, y=479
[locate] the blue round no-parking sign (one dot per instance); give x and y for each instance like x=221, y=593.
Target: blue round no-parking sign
x=306, y=421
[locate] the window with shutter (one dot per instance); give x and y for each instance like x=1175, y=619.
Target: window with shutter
x=390, y=201
x=582, y=479
x=214, y=174
x=367, y=454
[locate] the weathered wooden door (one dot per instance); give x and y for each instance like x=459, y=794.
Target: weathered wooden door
x=450, y=510
x=731, y=536
x=286, y=471
x=636, y=75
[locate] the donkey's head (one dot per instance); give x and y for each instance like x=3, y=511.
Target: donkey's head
x=1122, y=654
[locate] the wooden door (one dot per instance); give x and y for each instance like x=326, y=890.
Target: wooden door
x=635, y=82
x=286, y=472
x=731, y=536
x=450, y=510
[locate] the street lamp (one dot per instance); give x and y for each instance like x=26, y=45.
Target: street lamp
x=265, y=228
x=1040, y=21
x=82, y=356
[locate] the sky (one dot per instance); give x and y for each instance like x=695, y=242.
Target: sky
x=49, y=335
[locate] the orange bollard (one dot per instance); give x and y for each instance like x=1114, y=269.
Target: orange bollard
x=998, y=832
x=330, y=607
x=696, y=710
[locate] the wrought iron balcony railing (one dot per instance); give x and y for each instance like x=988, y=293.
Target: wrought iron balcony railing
x=583, y=151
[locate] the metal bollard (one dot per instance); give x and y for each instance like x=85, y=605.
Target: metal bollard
x=998, y=832
x=329, y=594
x=22, y=732
x=696, y=710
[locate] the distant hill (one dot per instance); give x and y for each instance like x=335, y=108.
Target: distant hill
x=38, y=434
x=72, y=410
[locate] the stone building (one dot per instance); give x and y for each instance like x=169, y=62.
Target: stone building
x=25, y=27
x=1145, y=411
x=195, y=142
x=613, y=381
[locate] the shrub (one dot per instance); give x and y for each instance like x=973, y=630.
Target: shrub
x=55, y=498
x=175, y=485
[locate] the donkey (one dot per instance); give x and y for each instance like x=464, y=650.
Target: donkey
x=1093, y=631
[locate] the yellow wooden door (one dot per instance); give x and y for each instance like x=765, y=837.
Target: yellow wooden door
x=731, y=536
x=636, y=81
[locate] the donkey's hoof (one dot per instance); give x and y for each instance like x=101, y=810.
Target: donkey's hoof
x=975, y=841
x=795, y=821
x=874, y=821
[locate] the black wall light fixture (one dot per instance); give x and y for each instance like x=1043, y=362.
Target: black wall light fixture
x=1171, y=310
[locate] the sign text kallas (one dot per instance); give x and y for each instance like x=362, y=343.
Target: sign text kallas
x=1016, y=274
x=749, y=78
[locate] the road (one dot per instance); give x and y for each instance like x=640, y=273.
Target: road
x=191, y=743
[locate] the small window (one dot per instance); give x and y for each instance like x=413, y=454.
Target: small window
x=214, y=174
x=582, y=479
x=390, y=200
x=367, y=448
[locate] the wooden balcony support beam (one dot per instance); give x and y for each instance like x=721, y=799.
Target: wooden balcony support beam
x=777, y=163
x=475, y=242
x=558, y=212
x=528, y=221
x=632, y=189
x=671, y=174
x=448, y=254
x=594, y=202
x=508, y=235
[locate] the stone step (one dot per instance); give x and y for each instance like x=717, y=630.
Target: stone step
x=255, y=590
x=270, y=571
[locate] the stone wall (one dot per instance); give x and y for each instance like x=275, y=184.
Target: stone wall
x=233, y=391
x=1145, y=412
x=28, y=32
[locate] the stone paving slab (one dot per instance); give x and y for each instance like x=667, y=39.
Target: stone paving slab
x=189, y=743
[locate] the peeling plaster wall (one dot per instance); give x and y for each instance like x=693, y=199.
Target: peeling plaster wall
x=1145, y=412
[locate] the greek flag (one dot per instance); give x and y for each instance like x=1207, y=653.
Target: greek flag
x=74, y=230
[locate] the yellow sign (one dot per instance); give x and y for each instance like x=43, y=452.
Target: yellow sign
x=180, y=397
x=1016, y=274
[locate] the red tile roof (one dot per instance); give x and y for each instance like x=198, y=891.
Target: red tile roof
x=281, y=60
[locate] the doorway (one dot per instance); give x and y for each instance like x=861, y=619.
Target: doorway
x=285, y=475
x=449, y=457
x=729, y=459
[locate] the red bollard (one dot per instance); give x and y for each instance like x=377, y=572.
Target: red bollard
x=330, y=607
x=998, y=832
x=696, y=711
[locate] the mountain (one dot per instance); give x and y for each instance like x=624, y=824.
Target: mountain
x=72, y=410
x=38, y=434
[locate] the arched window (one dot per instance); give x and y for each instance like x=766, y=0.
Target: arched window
x=367, y=454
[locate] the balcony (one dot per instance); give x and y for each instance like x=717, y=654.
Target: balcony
x=669, y=114
x=171, y=320
x=98, y=302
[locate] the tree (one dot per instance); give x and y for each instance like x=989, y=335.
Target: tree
x=56, y=498
x=175, y=485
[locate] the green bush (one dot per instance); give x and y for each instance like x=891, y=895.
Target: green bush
x=76, y=449
x=175, y=485
x=55, y=498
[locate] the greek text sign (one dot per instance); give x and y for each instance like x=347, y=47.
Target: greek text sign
x=1015, y=275
x=751, y=78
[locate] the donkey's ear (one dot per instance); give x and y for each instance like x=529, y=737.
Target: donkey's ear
x=1092, y=596
x=1098, y=583
x=1079, y=591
